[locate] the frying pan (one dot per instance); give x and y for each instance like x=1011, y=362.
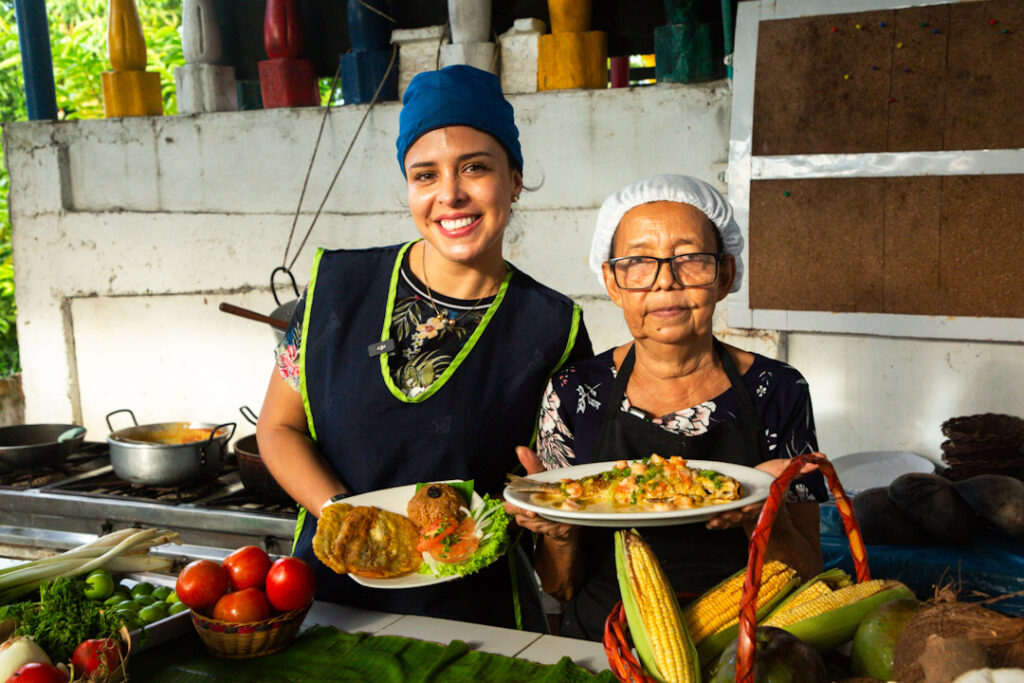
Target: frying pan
x=256, y=478
x=26, y=447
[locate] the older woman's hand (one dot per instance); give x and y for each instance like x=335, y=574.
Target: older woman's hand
x=527, y=519
x=747, y=516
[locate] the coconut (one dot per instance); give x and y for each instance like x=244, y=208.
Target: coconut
x=1000, y=635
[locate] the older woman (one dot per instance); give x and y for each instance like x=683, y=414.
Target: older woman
x=422, y=361
x=667, y=251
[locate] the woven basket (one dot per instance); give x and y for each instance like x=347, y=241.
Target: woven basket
x=231, y=640
x=618, y=648
x=984, y=427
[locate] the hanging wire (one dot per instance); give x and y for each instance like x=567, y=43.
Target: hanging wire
x=305, y=182
x=444, y=34
x=391, y=64
x=377, y=11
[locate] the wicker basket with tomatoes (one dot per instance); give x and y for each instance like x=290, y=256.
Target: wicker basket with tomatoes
x=247, y=605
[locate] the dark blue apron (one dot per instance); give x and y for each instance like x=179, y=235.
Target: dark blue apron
x=467, y=428
x=694, y=558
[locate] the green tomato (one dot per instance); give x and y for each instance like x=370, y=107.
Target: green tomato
x=153, y=612
x=99, y=585
x=161, y=592
x=177, y=607
x=118, y=596
x=142, y=588
x=172, y=599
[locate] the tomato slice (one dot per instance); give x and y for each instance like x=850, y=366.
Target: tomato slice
x=458, y=545
x=433, y=534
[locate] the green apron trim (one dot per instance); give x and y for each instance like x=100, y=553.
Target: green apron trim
x=570, y=344
x=302, y=377
x=385, y=334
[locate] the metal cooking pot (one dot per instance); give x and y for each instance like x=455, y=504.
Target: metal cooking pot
x=284, y=310
x=255, y=476
x=168, y=453
x=26, y=447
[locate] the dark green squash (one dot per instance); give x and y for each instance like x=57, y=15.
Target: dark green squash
x=999, y=500
x=882, y=523
x=780, y=657
x=933, y=504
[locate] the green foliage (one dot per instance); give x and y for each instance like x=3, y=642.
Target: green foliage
x=78, y=42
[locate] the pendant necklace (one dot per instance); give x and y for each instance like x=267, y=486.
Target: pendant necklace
x=445, y=320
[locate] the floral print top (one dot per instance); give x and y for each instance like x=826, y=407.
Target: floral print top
x=428, y=335
x=570, y=417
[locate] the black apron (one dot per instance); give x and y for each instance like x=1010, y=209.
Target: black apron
x=693, y=557
x=376, y=438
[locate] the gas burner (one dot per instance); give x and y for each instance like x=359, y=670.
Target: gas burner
x=90, y=456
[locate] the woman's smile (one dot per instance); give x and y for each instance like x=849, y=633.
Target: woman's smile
x=456, y=226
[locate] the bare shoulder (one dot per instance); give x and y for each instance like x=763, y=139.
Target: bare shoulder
x=619, y=354
x=743, y=359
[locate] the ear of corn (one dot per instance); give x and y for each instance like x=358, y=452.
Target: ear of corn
x=655, y=621
x=820, y=585
x=713, y=619
x=830, y=620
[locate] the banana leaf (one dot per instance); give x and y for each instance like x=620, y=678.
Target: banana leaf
x=323, y=653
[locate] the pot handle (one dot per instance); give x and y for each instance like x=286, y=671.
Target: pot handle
x=249, y=415
x=120, y=410
x=273, y=289
x=206, y=444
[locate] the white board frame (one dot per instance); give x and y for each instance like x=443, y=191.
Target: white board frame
x=743, y=168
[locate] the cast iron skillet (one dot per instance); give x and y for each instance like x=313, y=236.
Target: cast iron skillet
x=26, y=447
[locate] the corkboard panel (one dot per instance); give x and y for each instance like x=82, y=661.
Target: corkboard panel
x=913, y=216
x=819, y=248
x=802, y=102
x=984, y=95
x=934, y=78
x=982, y=246
x=940, y=246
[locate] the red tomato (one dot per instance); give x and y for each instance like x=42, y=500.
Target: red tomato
x=96, y=654
x=201, y=583
x=458, y=545
x=247, y=567
x=290, y=584
x=242, y=606
x=434, y=533
x=38, y=672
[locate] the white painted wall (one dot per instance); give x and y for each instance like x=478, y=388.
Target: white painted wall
x=128, y=233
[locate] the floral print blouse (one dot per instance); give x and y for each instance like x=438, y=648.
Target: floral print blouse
x=428, y=335
x=570, y=417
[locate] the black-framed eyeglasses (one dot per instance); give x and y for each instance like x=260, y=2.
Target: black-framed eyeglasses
x=688, y=270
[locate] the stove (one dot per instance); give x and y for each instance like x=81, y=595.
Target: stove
x=55, y=508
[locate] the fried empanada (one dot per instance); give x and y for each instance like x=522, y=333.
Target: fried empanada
x=367, y=541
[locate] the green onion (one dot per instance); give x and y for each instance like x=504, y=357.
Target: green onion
x=120, y=551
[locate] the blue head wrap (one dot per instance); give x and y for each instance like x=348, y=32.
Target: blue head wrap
x=458, y=95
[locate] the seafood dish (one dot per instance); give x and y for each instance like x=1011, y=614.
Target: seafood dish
x=652, y=484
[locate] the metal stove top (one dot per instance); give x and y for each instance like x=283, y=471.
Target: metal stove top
x=57, y=507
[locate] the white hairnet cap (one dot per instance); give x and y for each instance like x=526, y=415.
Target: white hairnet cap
x=667, y=188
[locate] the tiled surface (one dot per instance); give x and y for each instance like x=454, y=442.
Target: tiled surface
x=500, y=641
x=550, y=649
x=350, y=619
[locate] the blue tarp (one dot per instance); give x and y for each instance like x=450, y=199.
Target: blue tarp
x=992, y=565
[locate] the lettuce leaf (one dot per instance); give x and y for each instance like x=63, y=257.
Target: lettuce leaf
x=492, y=521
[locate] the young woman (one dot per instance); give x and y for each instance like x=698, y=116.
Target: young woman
x=427, y=360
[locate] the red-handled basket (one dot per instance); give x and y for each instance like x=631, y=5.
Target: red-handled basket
x=618, y=649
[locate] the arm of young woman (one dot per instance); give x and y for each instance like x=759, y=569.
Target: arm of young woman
x=289, y=452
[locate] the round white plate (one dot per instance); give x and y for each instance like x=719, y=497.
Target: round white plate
x=755, y=483
x=872, y=469
x=397, y=500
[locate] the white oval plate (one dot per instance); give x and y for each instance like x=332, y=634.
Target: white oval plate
x=397, y=500
x=872, y=469
x=755, y=483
